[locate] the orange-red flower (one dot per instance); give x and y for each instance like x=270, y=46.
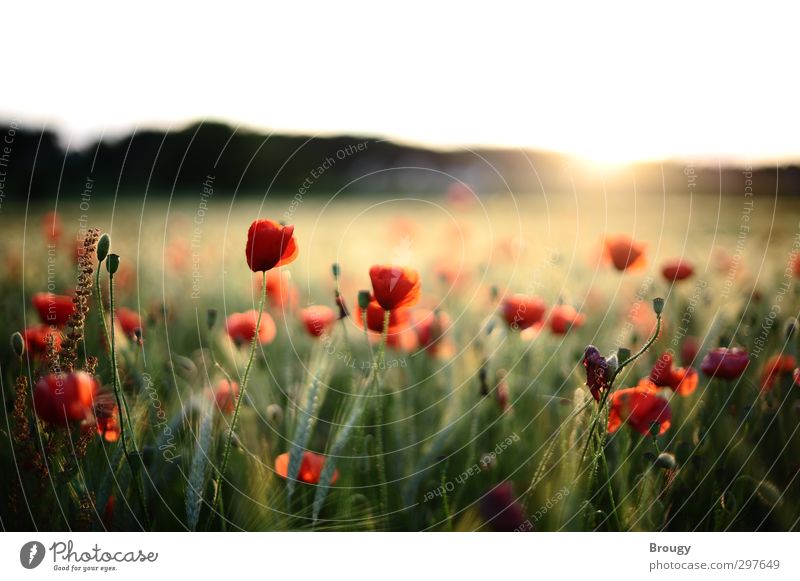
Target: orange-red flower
x=563, y=318
x=129, y=321
x=62, y=397
x=36, y=338
x=107, y=416
x=677, y=269
x=681, y=380
x=224, y=394
x=241, y=327
x=725, y=363
x=430, y=327
x=776, y=366
x=310, y=467
x=53, y=309
x=641, y=408
x=269, y=244
x=521, y=312
x=318, y=319
x=395, y=286
x=375, y=314
x=624, y=253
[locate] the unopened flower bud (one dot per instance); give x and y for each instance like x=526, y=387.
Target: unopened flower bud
x=658, y=305
x=790, y=328
x=211, y=318
x=623, y=353
x=363, y=299
x=665, y=460
x=112, y=264
x=18, y=344
x=103, y=246
x=335, y=270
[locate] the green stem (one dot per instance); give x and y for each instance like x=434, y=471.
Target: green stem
x=242, y=391
x=122, y=405
x=381, y=465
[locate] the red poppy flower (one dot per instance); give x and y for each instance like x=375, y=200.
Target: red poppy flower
x=398, y=318
x=624, y=253
x=677, y=269
x=36, y=338
x=281, y=293
x=776, y=366
x=681, y=380
x=269, y=244
x=224, y=394
x=318, y=319
x=597, y=372
x=521, y=312
x=502, y=510
x=689, y=349
x=107, y=416
x=310, y=467
x=430, y=328
x=241, y=327
x=563, y=318
x=725, y=363
x=57, y=397
x=641, y=408
x=395, y=286
x=129, y=321
x=53, y=309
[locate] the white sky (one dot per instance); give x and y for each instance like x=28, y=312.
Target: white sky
x=609, y=81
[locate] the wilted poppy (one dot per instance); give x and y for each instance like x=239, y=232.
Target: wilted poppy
x=317, y=319
x=502, y=510
x=563, y=318
x=681, y=380
x=597, y=371
x=725, y=363
x=641, y=408
x=376, y=313
x=241, y=327
x=36, y=338
x=53, y=309
x=624, y=253
x=394, y=286
x=311, y=467
x=776, y=366
x=269, y=244
x=60, y=397
x=677, y=269
x=521, y=312
x=224, y=394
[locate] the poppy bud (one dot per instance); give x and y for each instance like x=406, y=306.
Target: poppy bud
x=112, y=264
x=18, y=344
x=211, y=318
x=363, y=299
x=623, y=354
x=789, y=328
x=665, y=460
x=103, y=246
x=658, y=305
x=335, y=270
x=494, y=292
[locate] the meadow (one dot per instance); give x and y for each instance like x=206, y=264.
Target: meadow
x=475, y=411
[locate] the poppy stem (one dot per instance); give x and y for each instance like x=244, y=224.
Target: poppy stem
x=242, y=392
x=380, y=461
x=122, y=404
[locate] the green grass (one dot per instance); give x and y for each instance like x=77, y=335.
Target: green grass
x=737, y=451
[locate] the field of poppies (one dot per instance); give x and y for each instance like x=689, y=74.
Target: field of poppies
x=457, y=363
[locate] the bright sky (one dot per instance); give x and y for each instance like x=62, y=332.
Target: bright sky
x=608, y=81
